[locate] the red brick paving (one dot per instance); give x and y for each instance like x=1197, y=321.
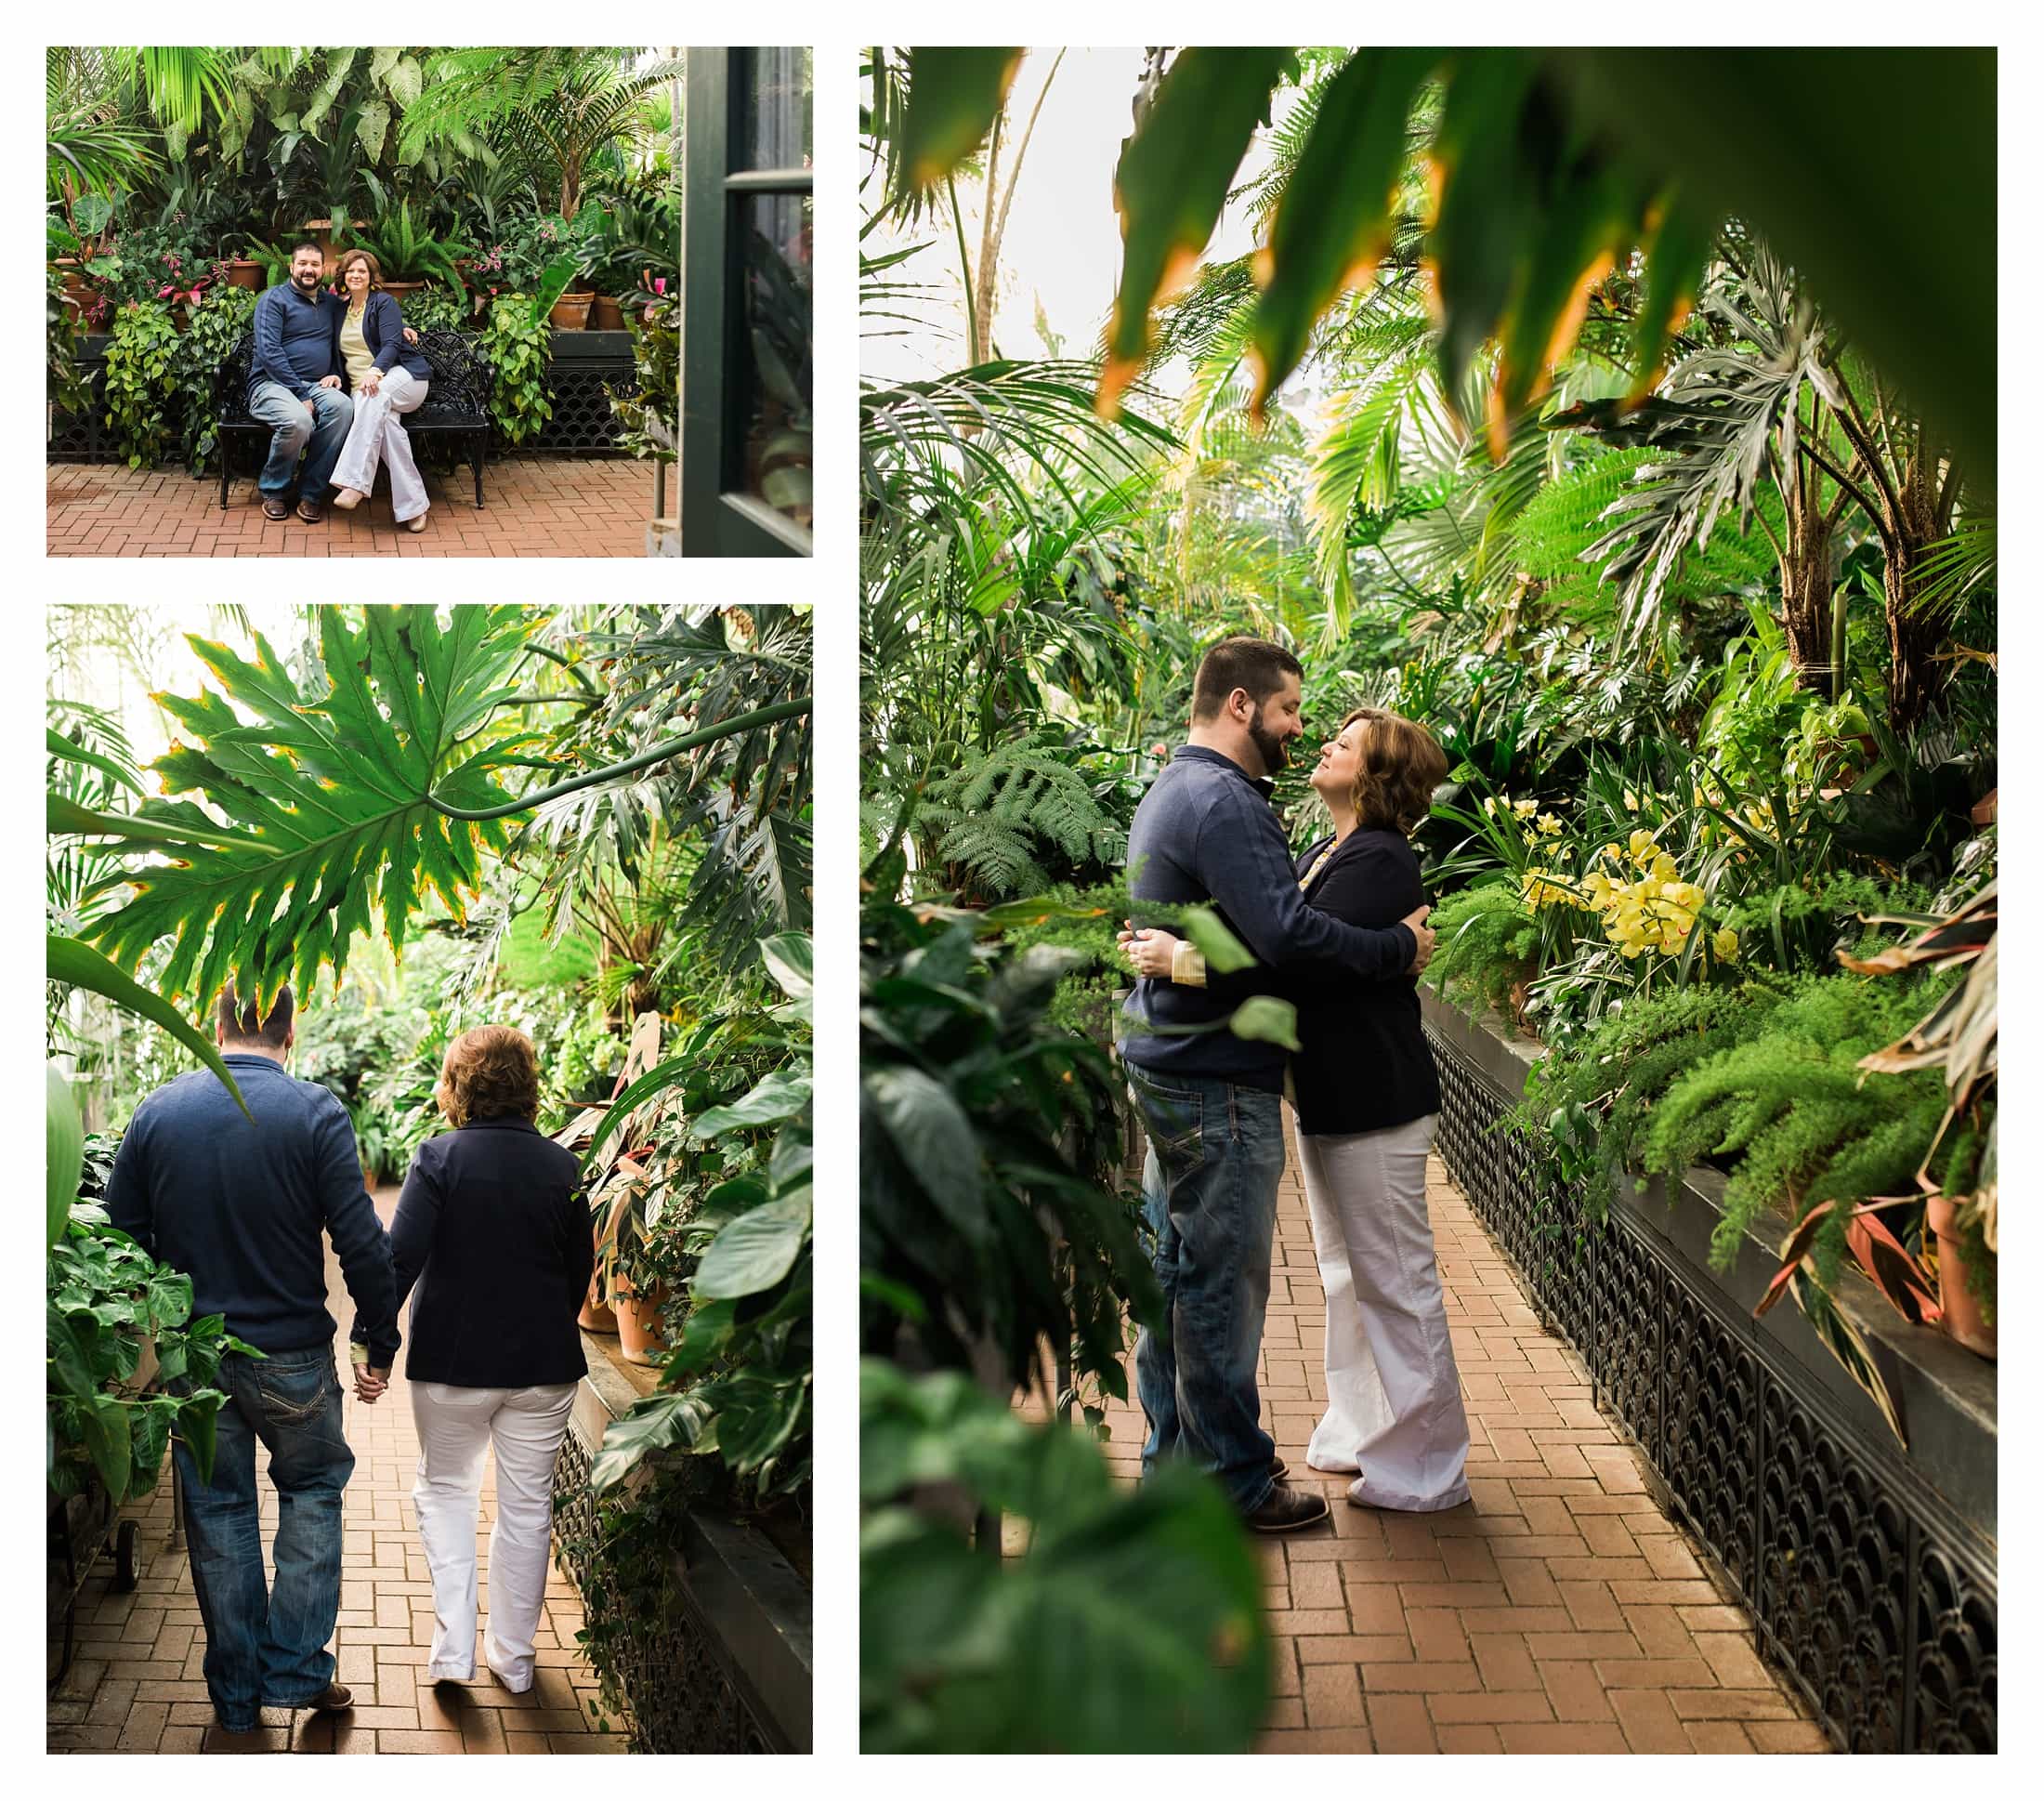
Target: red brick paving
x=1560, y=1610
x=137, y=1682
x=534, y=506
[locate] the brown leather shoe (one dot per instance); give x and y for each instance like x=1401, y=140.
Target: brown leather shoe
x=1277, y=1469
x=311, y=512
x=1287, y=1509
x=333, y=1700
x=275, y=506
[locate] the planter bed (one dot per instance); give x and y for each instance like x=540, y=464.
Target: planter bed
x=583, y=423
x=731, y=1672
x=1870, y=1571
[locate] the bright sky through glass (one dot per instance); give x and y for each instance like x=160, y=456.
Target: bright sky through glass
x=1063, y=245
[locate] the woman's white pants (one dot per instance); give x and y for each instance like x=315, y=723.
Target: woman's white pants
x=1395, y=1405
x=378, y=435
x=456, y=1427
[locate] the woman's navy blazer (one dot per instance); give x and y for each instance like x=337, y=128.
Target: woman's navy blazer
x=493, y=1229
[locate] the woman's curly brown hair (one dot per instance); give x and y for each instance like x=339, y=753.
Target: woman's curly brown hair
x=358, y=254
x=492, y=1073
x=1397, y=768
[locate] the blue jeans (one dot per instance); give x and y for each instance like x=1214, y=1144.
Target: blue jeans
x=267, y=1646
x=293, y=429
x=1210, y=1193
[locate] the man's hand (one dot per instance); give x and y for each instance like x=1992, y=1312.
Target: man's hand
x=370, y=1383
x=328, y=381
x=1422, y=936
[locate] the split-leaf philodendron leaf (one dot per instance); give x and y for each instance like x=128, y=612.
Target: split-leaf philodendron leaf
x=334, y=792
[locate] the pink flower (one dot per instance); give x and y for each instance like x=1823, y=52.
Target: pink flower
x=660, y=284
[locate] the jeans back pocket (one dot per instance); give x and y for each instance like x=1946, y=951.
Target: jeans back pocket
x=1173, y=1120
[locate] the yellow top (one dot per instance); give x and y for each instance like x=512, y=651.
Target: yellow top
x=355, y=350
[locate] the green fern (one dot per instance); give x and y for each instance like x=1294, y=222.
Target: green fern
x=1567, y=517
x=1018, y=821
x=1804, y=1123
x=1486, y=945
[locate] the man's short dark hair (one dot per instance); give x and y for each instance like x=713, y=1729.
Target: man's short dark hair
x=1253, y=664
x=239, y=1022
x=311, y=245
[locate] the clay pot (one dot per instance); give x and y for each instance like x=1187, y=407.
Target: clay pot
x=639, y=1321
x=596, y=1315
x=605, y=314
x=244, y=273
x=570, y=313
x=398, y=290
x=1963, y=1314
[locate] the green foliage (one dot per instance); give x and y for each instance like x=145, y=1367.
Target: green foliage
x=1017, y=819
x=1566, y=517
x=406, y=248
x=1083, y=923
x=650, y=412
x=434, y=309
x=1800, y=1120
x=215, y=325
x=139, y=382
x=108, y=1299
x=1484, y=947
x=988, y=1141
x=65, y=387
x=339, y=798
x=517, y=343
x=1133, y=1622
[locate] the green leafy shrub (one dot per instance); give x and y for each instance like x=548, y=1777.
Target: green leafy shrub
x=1083, y=923
x=139, y=382
x=517, y=344
x=650, y=412
x=215, y=326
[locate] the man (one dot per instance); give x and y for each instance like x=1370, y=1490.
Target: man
x=294, y=387
x=240, y=1208
x=1210, y=1101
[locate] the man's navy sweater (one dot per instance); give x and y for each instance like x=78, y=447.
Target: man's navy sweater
x=240, y=1208
x=295, y=339
x=1205, y=835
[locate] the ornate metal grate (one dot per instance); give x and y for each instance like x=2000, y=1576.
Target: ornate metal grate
x=583, y=419
x=677, y=1683
x=1864, y=1586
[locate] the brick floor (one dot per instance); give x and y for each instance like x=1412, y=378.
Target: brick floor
x=534, y=506
x=137, y=1683
x=1561, y=1611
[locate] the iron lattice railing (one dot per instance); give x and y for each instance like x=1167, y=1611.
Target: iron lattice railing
x=1865, y=1585
x=683, y=1693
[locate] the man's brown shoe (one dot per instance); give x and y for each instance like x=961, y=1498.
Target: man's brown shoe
x=1287, y=1509
x=311, y=512
x=335, y=1699
x=1277, y=1469
x=275, y=506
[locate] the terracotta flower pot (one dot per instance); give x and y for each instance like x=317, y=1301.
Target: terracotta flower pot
x=1962, y=1312
x=639, y=1321
x=571, y=312
x=605, y=314
x=596, y=1315
x=244, y=273
x=399, y=290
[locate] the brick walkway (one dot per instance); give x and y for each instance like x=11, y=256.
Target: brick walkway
x=136, y=1683
x=534, y=506
x=1561, y=1611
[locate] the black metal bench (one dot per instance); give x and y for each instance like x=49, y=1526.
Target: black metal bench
x=457, y=401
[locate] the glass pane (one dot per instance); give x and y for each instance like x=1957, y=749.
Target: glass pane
x=774, y=120
x=773, y=362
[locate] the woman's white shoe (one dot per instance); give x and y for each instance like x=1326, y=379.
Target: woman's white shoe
x=348, y=499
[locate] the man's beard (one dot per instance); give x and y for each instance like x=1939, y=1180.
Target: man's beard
x=1269, y=746
x=311, y=281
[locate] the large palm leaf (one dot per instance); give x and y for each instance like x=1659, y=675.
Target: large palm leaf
x=334, y=798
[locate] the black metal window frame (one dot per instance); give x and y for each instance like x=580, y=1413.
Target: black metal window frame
x=718, y=520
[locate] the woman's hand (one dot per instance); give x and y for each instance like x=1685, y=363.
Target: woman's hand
x=372, y=382
x=1148, y=953
x=370, y=1383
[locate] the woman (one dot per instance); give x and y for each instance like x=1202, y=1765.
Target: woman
x=1366, y=1094
x=388, y=379
x=494, y=1228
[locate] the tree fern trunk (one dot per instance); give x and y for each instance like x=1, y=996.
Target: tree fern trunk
x=1914, y=678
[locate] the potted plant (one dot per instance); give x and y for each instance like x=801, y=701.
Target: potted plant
x=403, y=243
